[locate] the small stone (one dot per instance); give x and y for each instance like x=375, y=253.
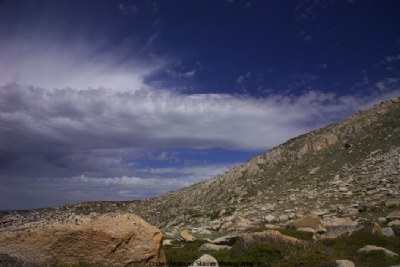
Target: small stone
x=283, y=218
x=314, y=170
x=186, y=236
x=352, y=211
x=270, y=218
x=167, y=242
x=271, y=226
x=395, y=215
x=382, y=220
x=392, y=203
x=387, y=231
x=205, y=260
x=344, y=263
x=394, y=223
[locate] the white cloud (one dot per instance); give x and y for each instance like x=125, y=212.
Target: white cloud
x=388, y=84
x=153, y=38
x=128, y=9
x=147, y=118
x=392, y=58
x=242, y=78
x=322, y=66
x=76, y=64
x=178, y=74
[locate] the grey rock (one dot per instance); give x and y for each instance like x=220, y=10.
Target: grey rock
x=225, y=240
x=387, y=231
x=395, y=215
x=369, y=248
x=394, y=223
x=205, y=260
x=344, y=263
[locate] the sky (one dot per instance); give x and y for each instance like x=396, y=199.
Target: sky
x=124, y=100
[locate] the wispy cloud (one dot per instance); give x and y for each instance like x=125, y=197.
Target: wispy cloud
x=392, y=58
x=80, y=66
x=181, y=74
x=243, y=77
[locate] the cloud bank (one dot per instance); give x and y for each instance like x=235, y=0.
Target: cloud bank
x=34, y=117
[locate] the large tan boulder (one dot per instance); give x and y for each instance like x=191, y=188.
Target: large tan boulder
x=105, y=240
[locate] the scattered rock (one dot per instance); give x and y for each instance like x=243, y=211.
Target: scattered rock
x=395, y=215
x=225, y=240
x=369, y=248
x=186, y=236
x=308, y=230
x=310, y=221
x=387, y=231
x=205, y=260
x=396, y=230
x=336, y=222
x=394, y=223
x=204, y=232
x=392, y=203
x=353, y=211
x=271, y=226
x=268, y=236
x=243, y=223
x=382, y=220
x=112, y=239
x=269, y=218
x=345, y=263
x=283, y=218
x=213, y=247
x=320, y=229
x=314, y=170
x=167, y=242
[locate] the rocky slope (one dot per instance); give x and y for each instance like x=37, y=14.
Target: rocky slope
x=350, y=169
x=342, y=169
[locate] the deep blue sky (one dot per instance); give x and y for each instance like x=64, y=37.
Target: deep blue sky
x=129, y=99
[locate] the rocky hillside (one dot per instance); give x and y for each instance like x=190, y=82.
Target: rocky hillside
x=342, y=169
x=347, y=169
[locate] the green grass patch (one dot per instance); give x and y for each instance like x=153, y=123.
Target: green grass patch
x=268, y=253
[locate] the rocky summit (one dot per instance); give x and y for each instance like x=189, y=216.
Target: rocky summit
x=330, y=182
